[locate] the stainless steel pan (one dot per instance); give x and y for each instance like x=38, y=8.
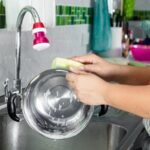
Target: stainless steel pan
x=51, y=107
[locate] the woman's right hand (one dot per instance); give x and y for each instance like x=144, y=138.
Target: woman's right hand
x=97, y=65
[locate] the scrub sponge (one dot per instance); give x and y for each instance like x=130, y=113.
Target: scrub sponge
x=65, y=63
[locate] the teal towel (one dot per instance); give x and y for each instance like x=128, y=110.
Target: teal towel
x=101, y=37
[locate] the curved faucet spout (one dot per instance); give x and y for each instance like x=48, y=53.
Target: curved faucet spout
x=20, y=18
x=22, y=13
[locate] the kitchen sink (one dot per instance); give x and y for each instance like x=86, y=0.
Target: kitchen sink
x=97, y=136
x=115, y=130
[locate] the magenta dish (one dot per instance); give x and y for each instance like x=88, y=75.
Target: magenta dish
x=140, y=52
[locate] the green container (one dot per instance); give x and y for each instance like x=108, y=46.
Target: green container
x=2, y=21
x=2, y=15
x=128, y=9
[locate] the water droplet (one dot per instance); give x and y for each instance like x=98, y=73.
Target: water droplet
x=47, y=93
x=57, y=94
x=71, y=99
x=66, y=124
x=59, y=107
x=55, y=109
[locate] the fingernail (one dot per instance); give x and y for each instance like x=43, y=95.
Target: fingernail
x=73, y=69
x=81, y=68
x=77, y=69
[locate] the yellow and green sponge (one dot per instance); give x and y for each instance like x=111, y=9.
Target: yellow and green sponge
x=65, y=63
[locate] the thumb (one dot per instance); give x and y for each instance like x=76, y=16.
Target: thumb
x=71, y=77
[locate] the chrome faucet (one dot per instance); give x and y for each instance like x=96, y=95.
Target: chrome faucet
x=21, y=15
x=13, y=97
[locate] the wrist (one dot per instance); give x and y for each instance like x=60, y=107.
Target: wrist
x=106, y=90
x=116, y=72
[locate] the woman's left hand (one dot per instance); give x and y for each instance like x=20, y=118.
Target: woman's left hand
x=89, y=88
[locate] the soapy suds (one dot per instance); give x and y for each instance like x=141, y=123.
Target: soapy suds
x=47, y=93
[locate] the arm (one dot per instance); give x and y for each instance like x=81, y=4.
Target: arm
x=131, y=75
x=112, y=72
x=134, y=99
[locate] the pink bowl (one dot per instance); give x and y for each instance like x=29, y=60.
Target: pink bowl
x=140, y=52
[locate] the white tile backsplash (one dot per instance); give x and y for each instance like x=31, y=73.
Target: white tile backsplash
x=86, y=3
x=142, y=5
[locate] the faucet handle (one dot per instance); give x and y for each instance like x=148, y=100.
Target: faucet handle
x=6, y=89
x=11, y=99
x=6, y=82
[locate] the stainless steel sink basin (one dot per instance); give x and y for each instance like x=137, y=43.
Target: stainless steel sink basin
x=116, y=130
x=125, y=128
x=97, y=136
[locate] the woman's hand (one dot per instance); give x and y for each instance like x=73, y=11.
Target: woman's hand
x=89, y=88
x=95, y=64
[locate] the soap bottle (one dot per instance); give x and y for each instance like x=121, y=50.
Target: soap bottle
x=125, y=40
x=2, y=14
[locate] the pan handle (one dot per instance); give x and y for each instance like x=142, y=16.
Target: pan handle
x=103, y=110
x=11, y=106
